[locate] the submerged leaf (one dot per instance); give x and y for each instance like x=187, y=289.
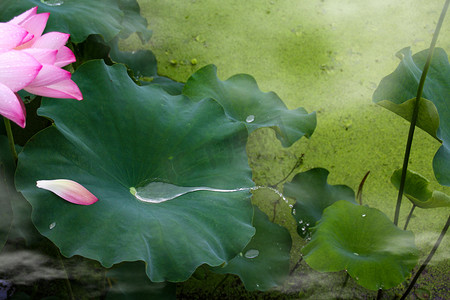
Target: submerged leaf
x=6, y=187
x=133, y=21
x=264, y=262
x=401, y=86
x=416, y=190
x=313, y=194
x=142, y=64
x=245, y=103
x=124, y=136
x=365, y=243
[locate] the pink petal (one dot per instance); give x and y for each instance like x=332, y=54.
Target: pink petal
x=34, y=25
x=52, y=40
x=64, y=57
x=43, y=56
x=18, y=69
x=49, y=75
x=11, y=36
x=69, y=190
x=11, y=106
x=62, y=89
x=24, y=16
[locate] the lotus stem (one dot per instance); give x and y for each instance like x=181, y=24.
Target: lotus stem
x=409, y=216
x=416, y=111
x=360, y=188
x=430, y=256
x=298, y=163
x=10, y=139
x=296, y=266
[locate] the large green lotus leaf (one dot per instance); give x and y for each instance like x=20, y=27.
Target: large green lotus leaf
x=312, y=195
x=365, y=243
x=80, y=18
x=417, y=191
x=264, y=263
x=245, y=103
x=130, y=282
x=400, y=88
x=123, y=136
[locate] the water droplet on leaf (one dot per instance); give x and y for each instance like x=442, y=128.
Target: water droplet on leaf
x=51, y=226
x=363, y=215
x=357, y=254
x=250, y=119
x=53, y=2
x=252, y=253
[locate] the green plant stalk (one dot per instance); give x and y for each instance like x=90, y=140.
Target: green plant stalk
x=10, y=139
x=430, y=256
x=409, y=216
x=416, y=112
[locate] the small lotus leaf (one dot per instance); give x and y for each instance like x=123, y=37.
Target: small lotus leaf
x=416, y=190
x=80, y=18
x=245, y=103
x=130, y=282
x=313, y=194
x=122, y=136
x=365, y=243
x=401, y=86
x=264, y=263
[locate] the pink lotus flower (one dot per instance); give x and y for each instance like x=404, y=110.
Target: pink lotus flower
x=32, y=61
x=69, y=190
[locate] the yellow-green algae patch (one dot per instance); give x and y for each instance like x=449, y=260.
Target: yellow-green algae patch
x=327, y=56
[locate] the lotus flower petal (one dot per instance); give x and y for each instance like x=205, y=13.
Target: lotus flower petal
x=18, y=69
x=12, y=36
x=69, y=190
x=24, y=16
x=64, y=57
x=52, y=40
x=62, y=89
x=49, y=75
x=34, y=24
x=43, y=56
x=11, y=106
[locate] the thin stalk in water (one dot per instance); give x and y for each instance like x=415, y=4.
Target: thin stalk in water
x=430, y=256
x=416, y=112
x=296, y=266
x=360, y=188
x=409, y=216
x=10, y=139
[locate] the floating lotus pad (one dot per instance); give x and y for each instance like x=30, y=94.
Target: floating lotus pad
x=416, y=190
x=365, y=243
x=313, y=194
x=120, y=137
x=245, y=103
x=398, y=90
x=264, y=263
